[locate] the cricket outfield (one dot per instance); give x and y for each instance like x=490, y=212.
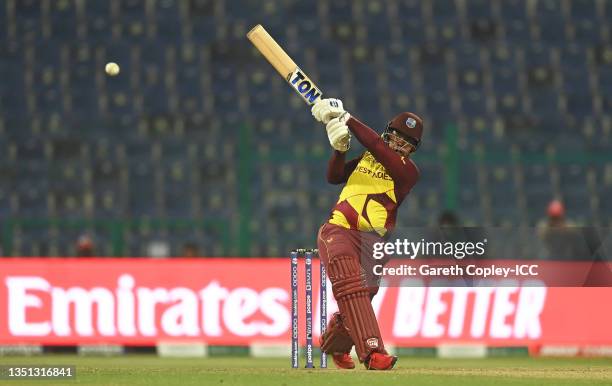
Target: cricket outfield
x=152, y=370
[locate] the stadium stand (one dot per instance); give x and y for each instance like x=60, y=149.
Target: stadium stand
x=198, y=128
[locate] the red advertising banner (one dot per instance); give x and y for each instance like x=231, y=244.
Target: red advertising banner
x=242, y=301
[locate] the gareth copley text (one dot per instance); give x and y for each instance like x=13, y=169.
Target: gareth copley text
x=447, y=271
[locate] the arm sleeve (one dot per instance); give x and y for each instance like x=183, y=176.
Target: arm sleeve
x=338, y=171
x=402, y=170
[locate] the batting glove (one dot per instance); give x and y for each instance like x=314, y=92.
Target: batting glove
x=326, y=109
x=338, y=133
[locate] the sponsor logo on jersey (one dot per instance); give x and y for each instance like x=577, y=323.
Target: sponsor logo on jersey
x=307, y=89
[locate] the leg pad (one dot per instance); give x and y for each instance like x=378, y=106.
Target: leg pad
x=353, y=299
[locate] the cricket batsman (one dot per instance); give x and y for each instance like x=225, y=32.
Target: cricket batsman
x=375, y=184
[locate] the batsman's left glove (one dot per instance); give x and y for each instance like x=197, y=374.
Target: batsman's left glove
x=338, y=133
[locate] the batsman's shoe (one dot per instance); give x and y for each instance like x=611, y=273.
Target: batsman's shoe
x=343, y=361
x=380, y=361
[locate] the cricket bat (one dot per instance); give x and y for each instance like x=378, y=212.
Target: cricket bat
x=283, y=63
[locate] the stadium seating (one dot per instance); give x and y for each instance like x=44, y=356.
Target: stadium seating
x=198, y=127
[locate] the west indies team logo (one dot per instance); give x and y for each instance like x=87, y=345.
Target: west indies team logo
x=411, y=122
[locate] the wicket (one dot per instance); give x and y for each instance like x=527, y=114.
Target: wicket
x=308, y=255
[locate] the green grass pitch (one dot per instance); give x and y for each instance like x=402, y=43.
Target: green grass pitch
x=151, y=370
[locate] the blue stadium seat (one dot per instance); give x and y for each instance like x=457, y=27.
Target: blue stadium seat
x=82, y=76
x=63, y=18
x=191, y=99
x=545, y=102
x=552, y=30
x=142, y=200
x=513, y=10
x=64, y=149
x=179, y=192
x=470, y=77
x=537, y=55
x=412, y=29
x=408, y=9
x=99, y=20
x=467, y=56
x=203, y=28
x=517, y=32
x=262, y=103
x=152, y=58
x=33, y=241
x=576, y=80
x=340, y=10
x=448, y=32
x=439, y=105
x=474, y=103
x=32, y=150
x=444, y=10
x=548, y=8
x=435, y=80
x=580, y=105
x=537, y=189
x=505, y=80
x=470, y=196
x=378, y=28
x=32, y=202
x=29, y=26
x=573, y=183
x=583, y=9
x=107, y=202
x=587, y=32
x=574, y=68
x=604, y=73
x=503, y=55
x=479, y=9
x=508, y=104
x=503, y=195
x=308, y=29
x=168, y=20
x=400, y=101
